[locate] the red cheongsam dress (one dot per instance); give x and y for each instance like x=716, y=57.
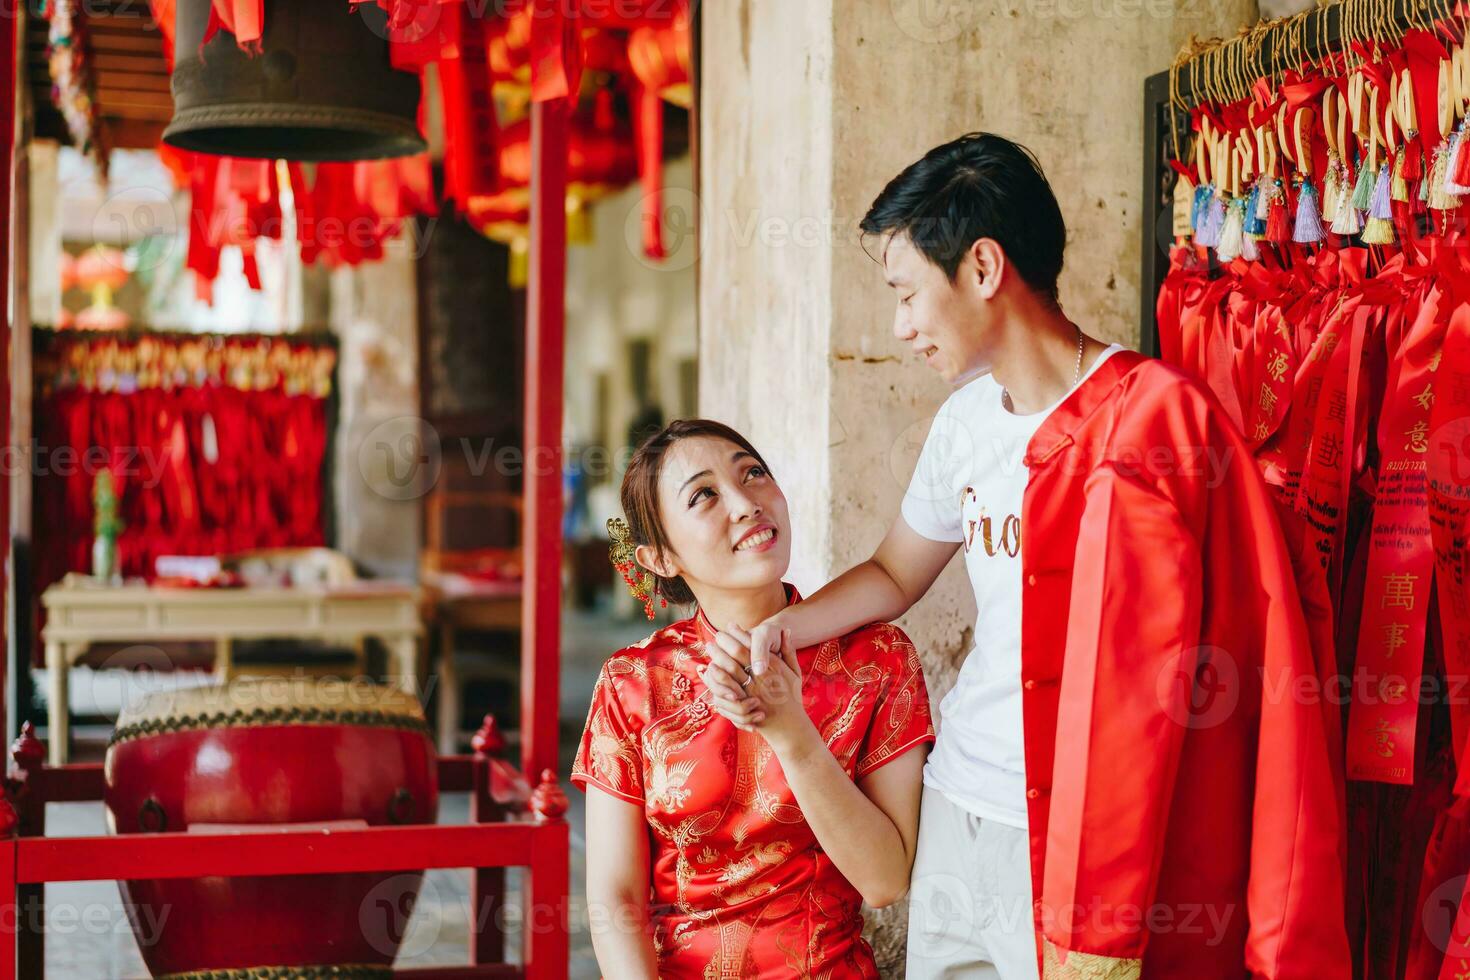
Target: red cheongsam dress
x=739, y=886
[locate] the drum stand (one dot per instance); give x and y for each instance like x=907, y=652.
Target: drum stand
x=510, y=826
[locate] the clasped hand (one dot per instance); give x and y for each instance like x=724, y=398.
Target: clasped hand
x=768, y=703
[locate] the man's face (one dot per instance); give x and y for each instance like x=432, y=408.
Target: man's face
x=943, y=322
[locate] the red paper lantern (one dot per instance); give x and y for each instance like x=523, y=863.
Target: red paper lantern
x=661, y=59
x=600, y=158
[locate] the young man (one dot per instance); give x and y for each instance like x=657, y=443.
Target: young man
x=1132, y=775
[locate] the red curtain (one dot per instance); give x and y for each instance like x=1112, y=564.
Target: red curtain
x=216, y=444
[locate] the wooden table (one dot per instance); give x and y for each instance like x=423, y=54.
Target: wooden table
x=455, y=602
x=81, y=611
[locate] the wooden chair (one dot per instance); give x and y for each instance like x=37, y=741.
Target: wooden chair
x=476, y=588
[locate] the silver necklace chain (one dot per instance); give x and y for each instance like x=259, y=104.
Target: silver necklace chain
x=1081, y=342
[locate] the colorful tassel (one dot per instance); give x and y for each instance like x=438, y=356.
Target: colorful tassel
x=1232, y=232
x=1331, y=190
x=1348, y=220
x=1201, y=207
x=1308, y=221
x=1249, y=250
x=1382, y=204
x=1440, y=197
x=1379, y=229
x=1278, y=228
x=1413, y=158
x=1460, y=161
x=1213, y=224
x=1398, y=184
x=1452, y=161
x=1363, y=189
x=1255, y=215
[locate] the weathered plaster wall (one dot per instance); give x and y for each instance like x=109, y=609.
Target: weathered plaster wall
x=765, y=294
x=377, y=480
x=805, y=116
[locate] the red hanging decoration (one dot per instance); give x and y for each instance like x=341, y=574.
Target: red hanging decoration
x=556, y=51
x=650, y=124
x=660, y=59
x=470, y=128
x=243, y=18
x=1278, y=228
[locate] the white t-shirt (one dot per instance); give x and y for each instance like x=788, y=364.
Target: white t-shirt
x=967, y=488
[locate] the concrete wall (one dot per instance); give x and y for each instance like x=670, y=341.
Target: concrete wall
x=807, y=110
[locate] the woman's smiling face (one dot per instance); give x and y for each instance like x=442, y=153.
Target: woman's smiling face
x=724, y=517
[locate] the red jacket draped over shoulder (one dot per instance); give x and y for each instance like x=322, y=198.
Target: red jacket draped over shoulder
x=1183, y=807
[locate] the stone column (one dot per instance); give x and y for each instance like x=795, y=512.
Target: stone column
x=806, y=111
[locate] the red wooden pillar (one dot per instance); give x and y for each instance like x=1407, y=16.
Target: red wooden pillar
x=542, y=486
x=9, y=893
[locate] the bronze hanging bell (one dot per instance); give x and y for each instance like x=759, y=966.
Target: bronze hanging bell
x=320, y=88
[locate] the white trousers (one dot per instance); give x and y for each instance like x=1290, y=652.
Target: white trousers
x=969, y=898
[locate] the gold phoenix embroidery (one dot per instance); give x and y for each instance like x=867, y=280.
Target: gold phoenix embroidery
x=1087, y=966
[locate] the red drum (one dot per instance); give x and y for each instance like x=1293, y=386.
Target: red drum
x=271, y=751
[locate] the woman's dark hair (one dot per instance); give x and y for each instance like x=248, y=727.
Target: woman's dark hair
x=640, y=489
x=978, y=186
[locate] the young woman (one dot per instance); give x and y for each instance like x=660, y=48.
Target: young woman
x=740, y=846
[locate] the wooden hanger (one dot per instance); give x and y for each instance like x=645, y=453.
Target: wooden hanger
x=1460, y=81
x=1300, y=125
x=1208, y=172
x=1445, y=100
x=1278, y=123
x=1221, y=166
x=1375, y=128
x=1330, y=121
x=1356, y=84
x=1385, y=121
x=1407, y=112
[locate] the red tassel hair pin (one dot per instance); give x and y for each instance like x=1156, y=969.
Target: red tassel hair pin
x=642, y=584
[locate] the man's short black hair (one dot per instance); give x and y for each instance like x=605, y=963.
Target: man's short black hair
x=978, y=186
